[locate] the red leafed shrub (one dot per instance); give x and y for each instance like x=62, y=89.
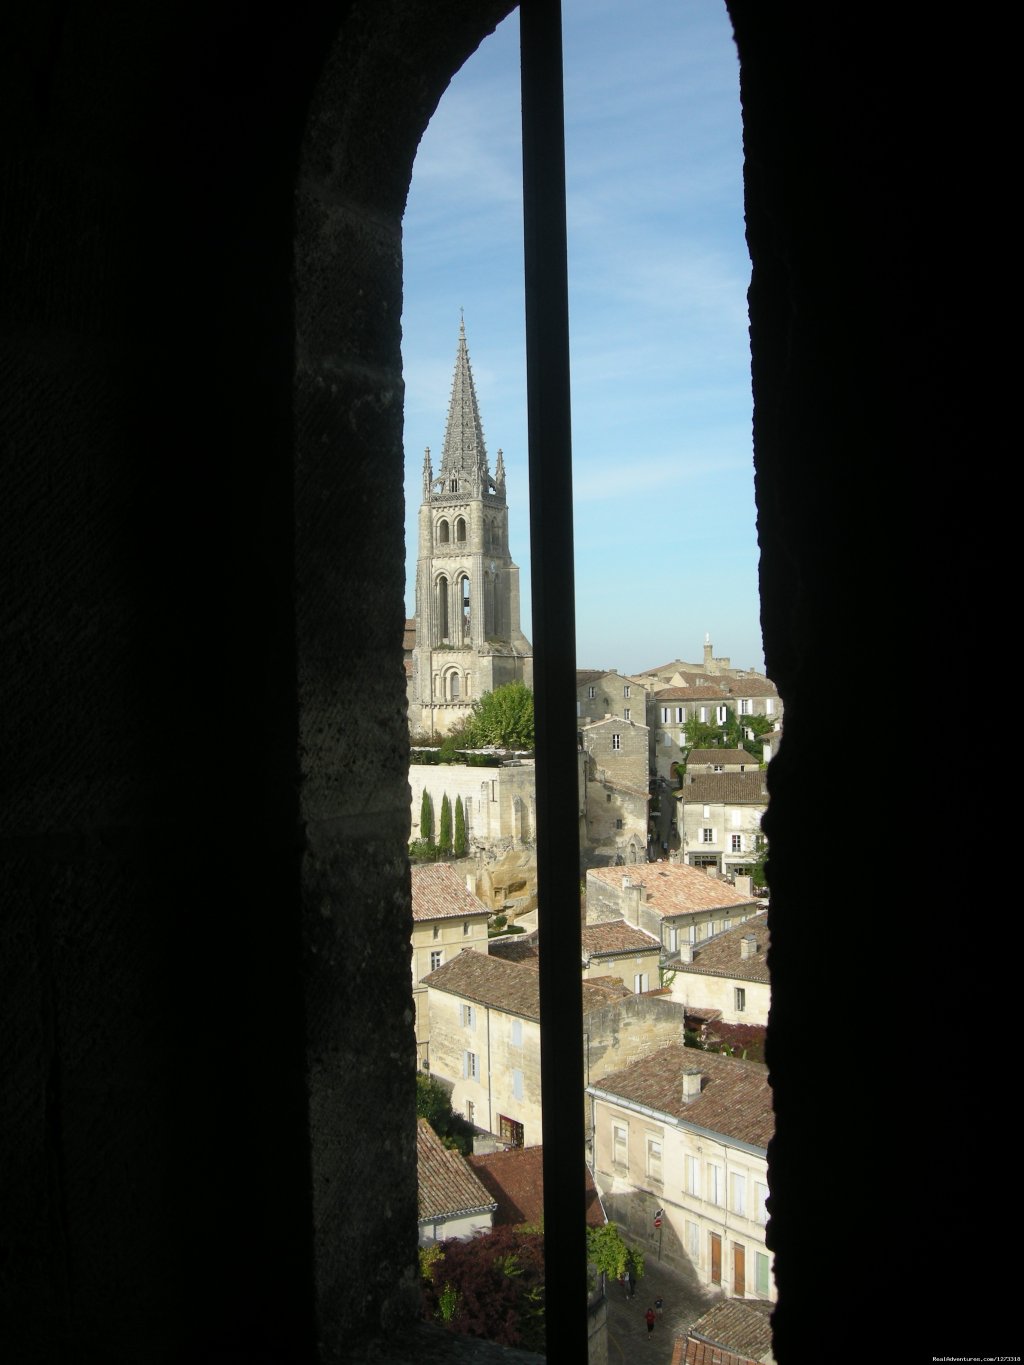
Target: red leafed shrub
x=491, y=1286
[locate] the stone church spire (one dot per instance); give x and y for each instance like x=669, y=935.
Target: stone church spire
x=464, y=457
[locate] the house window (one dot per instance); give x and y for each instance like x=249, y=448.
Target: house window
x=608, y=797
x=625, y=690
x=720, y=714
x=769, y=707
x=665, y=717
x=620, y=1145
x=471, y=1066
x=736, y=813
x=703, y=715
x=680, y=714
x=618, y=824
x=437, y=931
x=625, y=713
x=707, y=812
x=654, y=1159
x=616, y=741
x=591, y=693
x=741, y=999
x=762, y=1272
x=517, y=1033
x=737, y=1193
x=641, y=983
x=517, y=1084
x=436, y=958
x=691, y=1173
x=737, y=843
x=714, y=1183
x=468, y=1016
x=692, y=1241
x=707, y=835
x=717, y=768
x=745, y=707
x=465, y=926
x=760, y=1202
x=470, y=1111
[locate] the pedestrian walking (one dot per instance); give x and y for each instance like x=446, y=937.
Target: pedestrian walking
x=630, y=1284
x=658, y=1305
x=649, y=1315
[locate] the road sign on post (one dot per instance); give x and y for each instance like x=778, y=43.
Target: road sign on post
x=659, y=1214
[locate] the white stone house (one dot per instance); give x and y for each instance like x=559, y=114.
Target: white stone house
x=446, y=917
x=675, y=903
x=485, y=1038
x=681, y=1136
x=719, y=815
x=728, y=974
x=452, y=1200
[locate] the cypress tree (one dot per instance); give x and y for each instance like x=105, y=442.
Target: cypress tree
x=444, y=838
x=427, y=817
x=459, y=846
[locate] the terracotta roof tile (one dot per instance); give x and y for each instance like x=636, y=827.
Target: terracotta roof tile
x=732, y=789
x=674, y=888
x=447, y=1185
x=735, y=1098
x=722, y=955
x=616, y=937
x=508, y=986
x=713, y=756
x=516, y=1180
x=741, y=1328
x=439, y=892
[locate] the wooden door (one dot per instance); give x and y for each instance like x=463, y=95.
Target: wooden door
x=739, y=1267
x=716, y=1258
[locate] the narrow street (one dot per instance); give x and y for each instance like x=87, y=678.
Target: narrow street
x=682, y=1304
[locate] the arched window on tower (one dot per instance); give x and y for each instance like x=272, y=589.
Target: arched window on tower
x=460, y=529
x=464, y=597
x=442, y=532
x=442, y=608
x=453, y=687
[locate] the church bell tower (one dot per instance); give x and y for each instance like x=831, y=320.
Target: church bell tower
x=468, y=639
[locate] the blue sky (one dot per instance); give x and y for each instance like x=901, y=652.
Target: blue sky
x=665, y=534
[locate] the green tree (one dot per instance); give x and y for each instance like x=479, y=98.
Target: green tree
x=427, y=818
x=609, y=1253
x=503, y=718
x=700, y=735
x=434, y=1104
x=459, y=842
x=444, y=836
x=758, y=727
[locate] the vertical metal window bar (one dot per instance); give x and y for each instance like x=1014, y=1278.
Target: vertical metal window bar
x=554, y=636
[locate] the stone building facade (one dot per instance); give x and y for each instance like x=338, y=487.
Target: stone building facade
x=614, y=792
x=468, y=639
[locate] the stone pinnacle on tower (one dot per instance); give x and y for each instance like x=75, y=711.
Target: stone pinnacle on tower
x=464, y=456
x=428, y=473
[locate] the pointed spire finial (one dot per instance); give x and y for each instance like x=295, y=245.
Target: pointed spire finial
x=464, y=455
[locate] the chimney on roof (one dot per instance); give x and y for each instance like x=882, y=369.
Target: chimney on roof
x=748, y=945
x=686, y=951
x=632, y=895
x=691, y=1084
x=744, y=885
